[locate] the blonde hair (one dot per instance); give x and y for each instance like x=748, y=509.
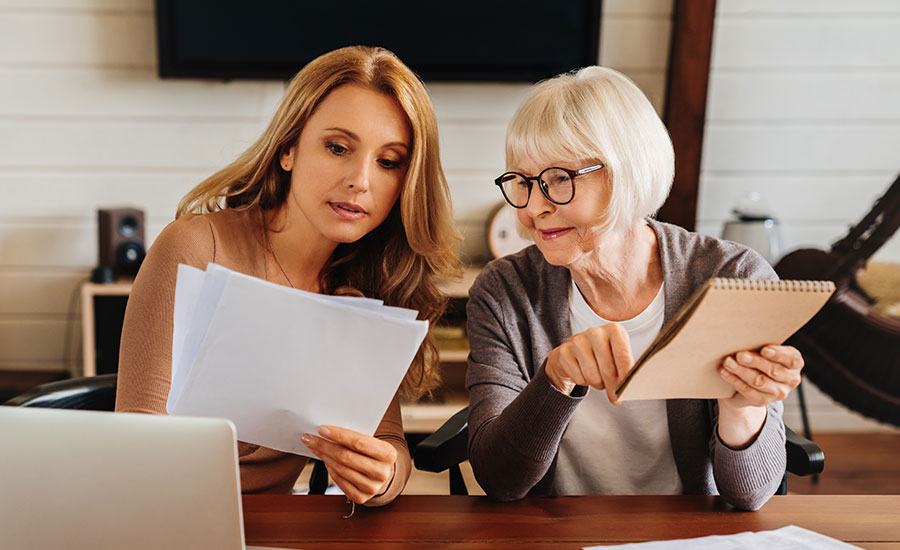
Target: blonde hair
x=400, y=260
x=598, y=114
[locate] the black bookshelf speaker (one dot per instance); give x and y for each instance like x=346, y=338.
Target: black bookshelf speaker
x=121, y=233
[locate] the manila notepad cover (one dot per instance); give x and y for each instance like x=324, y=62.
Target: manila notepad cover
x=722, y=317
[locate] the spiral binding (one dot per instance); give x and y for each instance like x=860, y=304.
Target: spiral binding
x=782, y=285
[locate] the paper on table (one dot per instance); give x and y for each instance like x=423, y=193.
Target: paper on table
x=786, y=538
x=279, y=362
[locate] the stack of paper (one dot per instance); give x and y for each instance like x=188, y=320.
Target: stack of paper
x=280, y=362
x=785, y=538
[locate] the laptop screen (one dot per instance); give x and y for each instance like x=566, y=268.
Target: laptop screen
x=102, y=480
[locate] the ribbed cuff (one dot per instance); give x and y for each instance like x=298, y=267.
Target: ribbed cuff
x=537, y=419
x=751, y=472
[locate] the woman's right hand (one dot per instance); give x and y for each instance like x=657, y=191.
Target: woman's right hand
x=363, y=466
x=599, y=357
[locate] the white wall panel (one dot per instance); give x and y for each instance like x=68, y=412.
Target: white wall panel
x=828, y=95
x=39, y=292
x=635, y=43
x=634, y=39
x=803, y=43
x=468, y=147
x=86, y=92
x=78, y=194
x=796, y=198
x=77, y=38
x=135, y=145
x=806, y=7
x=652, y=83
x=476, y=102
x=637, y=7
x=823, y=147
x=48, y=244
x=52, y=244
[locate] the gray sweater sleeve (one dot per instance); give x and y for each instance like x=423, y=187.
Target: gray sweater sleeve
x=516, y=419
x=748, y=477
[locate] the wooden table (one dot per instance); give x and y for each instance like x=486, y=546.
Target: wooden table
x=456, y=522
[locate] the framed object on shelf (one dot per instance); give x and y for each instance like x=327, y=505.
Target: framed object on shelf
x=102, y=313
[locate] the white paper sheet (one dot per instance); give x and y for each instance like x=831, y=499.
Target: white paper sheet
x=280, y=362
x=786, y=538
x=187, y=291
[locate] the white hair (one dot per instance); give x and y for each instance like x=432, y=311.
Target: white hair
x=598, y=114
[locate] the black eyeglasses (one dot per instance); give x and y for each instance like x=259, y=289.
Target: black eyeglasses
x=557, y=184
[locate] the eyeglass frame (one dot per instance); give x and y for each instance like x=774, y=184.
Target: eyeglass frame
x=542, y=185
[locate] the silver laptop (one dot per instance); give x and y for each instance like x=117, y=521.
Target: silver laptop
x=101, y=480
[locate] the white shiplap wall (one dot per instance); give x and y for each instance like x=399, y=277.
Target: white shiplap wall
x=85, y=123
x=803, y=108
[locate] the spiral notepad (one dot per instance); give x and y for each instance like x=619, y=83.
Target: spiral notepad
x=722, y=317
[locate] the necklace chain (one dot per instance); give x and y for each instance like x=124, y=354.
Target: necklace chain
x=274, y=255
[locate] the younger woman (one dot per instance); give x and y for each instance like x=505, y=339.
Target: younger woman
x=343, y=194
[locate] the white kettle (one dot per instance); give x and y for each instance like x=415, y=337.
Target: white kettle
x=753, y=225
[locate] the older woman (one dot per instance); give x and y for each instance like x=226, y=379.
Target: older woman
x=554, y=328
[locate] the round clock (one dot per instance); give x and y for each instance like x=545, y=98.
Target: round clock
x=503, y=232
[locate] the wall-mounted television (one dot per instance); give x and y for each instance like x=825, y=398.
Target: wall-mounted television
x=459, y=40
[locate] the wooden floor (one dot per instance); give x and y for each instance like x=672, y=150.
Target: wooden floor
x=855, y=464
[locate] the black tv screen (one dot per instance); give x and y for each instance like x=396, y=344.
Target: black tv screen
x=459, y=40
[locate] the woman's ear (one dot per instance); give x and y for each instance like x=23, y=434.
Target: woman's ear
x=287, y=159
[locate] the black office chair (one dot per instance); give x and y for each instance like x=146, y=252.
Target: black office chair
x=98, y=393
x=91, y=393
x=448, y=447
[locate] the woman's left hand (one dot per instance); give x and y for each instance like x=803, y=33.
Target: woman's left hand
x=759, y=379
x=764, y=377
x=361, y=465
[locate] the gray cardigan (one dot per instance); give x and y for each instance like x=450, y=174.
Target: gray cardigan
x=518, y=313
